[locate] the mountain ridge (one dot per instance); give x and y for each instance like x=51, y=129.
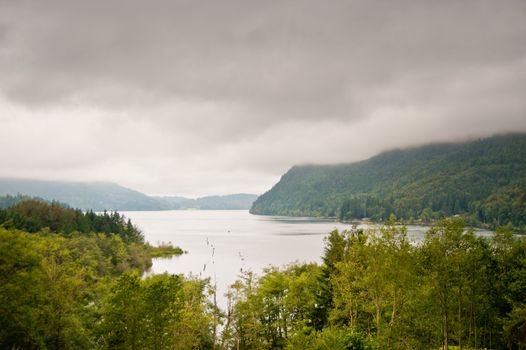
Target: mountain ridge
x=418, y=183
x=103, y=195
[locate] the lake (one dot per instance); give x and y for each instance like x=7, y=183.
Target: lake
x=222, y=243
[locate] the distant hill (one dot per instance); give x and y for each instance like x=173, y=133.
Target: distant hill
x=101, y=196
x=232, y=201
x=97, y=196
x=227, y=202
x=483, y=180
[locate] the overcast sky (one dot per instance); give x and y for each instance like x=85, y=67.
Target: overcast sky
x=215, y=97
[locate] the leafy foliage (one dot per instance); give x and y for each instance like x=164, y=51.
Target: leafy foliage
x=162, y=312
x=453, y=290
x=484, y=181
x=62, y=287
x=50, y=284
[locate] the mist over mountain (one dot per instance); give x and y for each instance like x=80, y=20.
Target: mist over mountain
x=483, y=180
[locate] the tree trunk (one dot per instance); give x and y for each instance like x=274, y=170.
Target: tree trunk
x=460, y=328
x=377, y=321
x=446, y=333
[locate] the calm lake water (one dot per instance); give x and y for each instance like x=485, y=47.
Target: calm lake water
x=222, y=243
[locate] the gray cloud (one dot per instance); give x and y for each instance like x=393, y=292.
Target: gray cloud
x=160, y=95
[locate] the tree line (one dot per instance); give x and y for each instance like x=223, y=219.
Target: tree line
x=33, y=215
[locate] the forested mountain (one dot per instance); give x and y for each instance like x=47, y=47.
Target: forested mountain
x=99, y=196
x=482, y=180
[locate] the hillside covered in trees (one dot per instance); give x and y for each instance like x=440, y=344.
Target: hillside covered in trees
x=483, y=180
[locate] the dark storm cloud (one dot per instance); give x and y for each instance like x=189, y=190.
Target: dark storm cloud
x=288, y=58
x=261, y=80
